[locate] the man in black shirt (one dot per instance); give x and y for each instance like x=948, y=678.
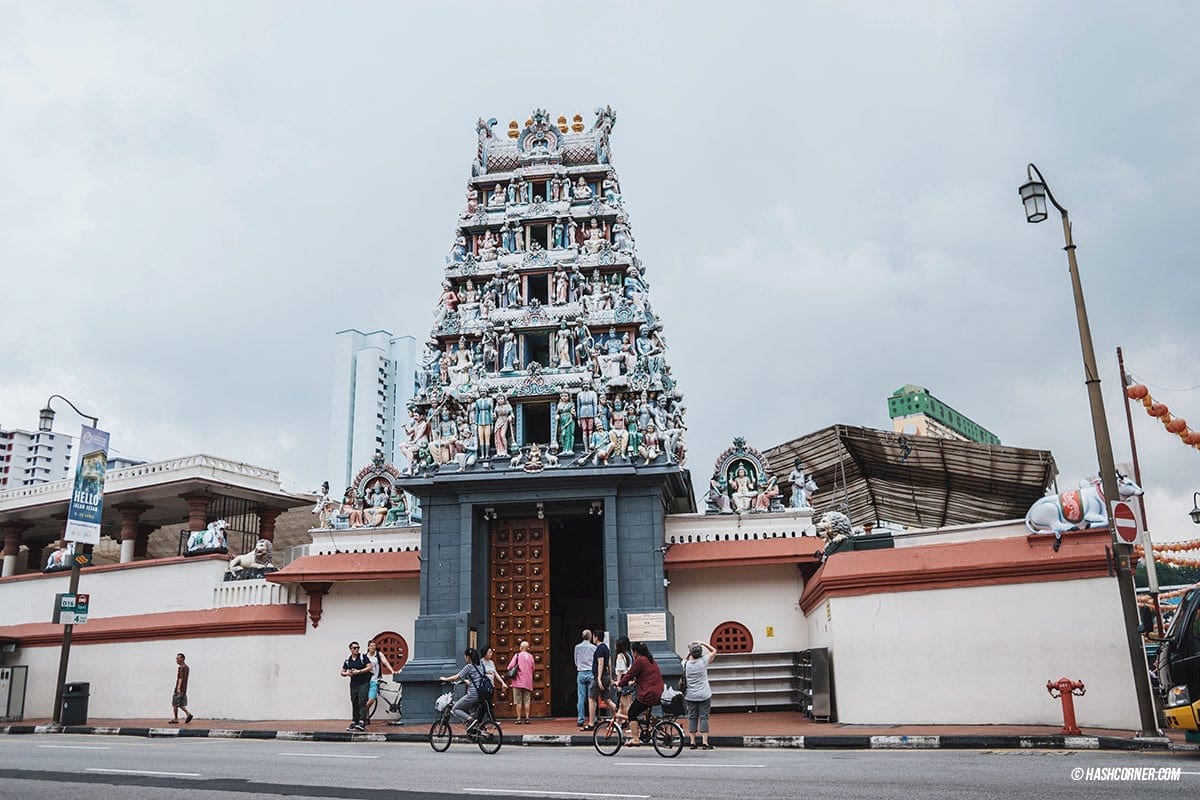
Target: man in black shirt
x=358, y=669
x=602, y=669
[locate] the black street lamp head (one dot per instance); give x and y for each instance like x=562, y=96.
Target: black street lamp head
x=1033, y=195
x=1195, y=512
x=46, y=415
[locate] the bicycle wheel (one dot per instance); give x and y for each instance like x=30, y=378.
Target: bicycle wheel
x=371, y=706
x=439, y=736
x=668, y=739
x=607, y=738
x=489, y=737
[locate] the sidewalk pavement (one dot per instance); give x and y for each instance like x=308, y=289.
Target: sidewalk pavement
x=778, y=729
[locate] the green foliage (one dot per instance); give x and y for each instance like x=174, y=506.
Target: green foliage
x=1168, y=575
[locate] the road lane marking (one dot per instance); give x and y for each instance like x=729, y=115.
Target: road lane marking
x=145, y=772
x=632, y=763
x=71, y=747
x=521, y=791
x=324, y=755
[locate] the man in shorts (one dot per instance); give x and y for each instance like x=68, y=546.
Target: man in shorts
x=599, y=690
x=179, y=696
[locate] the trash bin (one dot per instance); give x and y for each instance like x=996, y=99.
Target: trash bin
x=75, y=703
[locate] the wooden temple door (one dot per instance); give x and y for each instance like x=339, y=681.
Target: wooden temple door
x=519, y=604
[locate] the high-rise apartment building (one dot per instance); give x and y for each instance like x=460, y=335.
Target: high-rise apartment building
x=29, y=457
x=373, y=380
x=914, y=410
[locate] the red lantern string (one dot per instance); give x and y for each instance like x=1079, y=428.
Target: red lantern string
x=1175, y=425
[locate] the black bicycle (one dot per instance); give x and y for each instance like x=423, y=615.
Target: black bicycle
x=483, y=729
x=392, y=696
x=663, y=732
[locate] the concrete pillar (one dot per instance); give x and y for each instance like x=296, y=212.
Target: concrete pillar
x=12, y=545
x=197, y=510
x=266, y=523
x=130, y=512
x=142, y=542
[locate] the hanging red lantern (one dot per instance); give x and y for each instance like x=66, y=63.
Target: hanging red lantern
x=1137, y=392
x=1193, y=437
x=1158, y=410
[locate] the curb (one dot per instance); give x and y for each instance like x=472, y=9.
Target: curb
x=834, y=742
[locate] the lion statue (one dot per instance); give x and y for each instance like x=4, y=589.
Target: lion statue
x=835, y=527
x=252, y=564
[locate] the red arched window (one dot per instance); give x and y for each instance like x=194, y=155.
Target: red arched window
x=393, y=646
x=731, y=637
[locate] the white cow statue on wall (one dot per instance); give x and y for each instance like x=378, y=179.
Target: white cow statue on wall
x=1076, y=511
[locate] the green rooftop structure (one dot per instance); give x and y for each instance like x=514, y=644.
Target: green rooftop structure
x=913, y=406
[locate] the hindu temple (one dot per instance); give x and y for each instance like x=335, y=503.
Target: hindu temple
x=547, y=433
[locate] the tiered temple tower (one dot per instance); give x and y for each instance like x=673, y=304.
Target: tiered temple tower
x=547, y=429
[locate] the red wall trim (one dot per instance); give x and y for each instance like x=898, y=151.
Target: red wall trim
x=750, y=553
x=350, y=567
x=148, y=562
x=208, y=623
x=987, y=562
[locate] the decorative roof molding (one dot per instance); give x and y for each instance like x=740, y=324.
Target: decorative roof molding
x=987, y=562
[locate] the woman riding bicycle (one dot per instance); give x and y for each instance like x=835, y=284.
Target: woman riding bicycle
x=471, y=672
x=646, y=676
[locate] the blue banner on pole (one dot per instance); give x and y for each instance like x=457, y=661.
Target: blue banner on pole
x=87, y=496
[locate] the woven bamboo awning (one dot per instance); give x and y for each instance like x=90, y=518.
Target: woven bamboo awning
x=920, y=482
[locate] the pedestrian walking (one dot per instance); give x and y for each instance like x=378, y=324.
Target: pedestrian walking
x=378, y=663
x=522, y=681
x=358, y=669
x=622, y=661
x=179, y=699
x=488, y=662
x=697, y=696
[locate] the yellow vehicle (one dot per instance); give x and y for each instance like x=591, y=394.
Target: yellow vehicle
x=1178, y=665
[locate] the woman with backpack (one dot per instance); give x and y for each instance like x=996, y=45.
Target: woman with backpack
x=379, y=663
x=479, y=688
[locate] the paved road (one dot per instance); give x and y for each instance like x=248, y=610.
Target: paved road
x=104, y=768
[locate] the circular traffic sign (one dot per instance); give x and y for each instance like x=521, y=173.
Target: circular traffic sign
x=1124, y=522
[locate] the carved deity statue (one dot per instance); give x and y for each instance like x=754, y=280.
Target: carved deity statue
x=503, y=416
x=565, y=410
x=582, y=190
x=743, y=489
x=595, y=237
x=803, y=487
x=487, y=246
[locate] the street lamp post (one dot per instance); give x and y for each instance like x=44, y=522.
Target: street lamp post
x=45, y=422
x=1034, y=194
x=1195, y=512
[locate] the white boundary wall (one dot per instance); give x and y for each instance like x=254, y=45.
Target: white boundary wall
x=757, y=597
x=980, y=655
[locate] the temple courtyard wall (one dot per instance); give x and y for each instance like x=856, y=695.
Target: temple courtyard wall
x=961, y=625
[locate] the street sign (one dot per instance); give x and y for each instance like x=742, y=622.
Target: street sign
x=83, y=559
x=71, y=609
x=1124, y=522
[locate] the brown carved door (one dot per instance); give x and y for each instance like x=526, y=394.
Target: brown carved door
x=519, y=604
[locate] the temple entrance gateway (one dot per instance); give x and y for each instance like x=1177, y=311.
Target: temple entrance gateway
x=577, y=598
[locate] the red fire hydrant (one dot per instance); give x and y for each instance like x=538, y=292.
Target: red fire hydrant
x=1064, y=688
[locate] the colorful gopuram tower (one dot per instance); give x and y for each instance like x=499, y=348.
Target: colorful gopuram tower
x=547, y=431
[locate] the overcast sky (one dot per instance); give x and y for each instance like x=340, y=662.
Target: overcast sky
x=195, y=197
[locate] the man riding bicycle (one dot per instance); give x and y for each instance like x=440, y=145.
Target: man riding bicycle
x=471, y=673
x=646, y=676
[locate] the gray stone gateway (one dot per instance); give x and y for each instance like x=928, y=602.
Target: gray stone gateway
x=546, y=443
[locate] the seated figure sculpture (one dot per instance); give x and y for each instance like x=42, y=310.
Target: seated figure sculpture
x=742, y=489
